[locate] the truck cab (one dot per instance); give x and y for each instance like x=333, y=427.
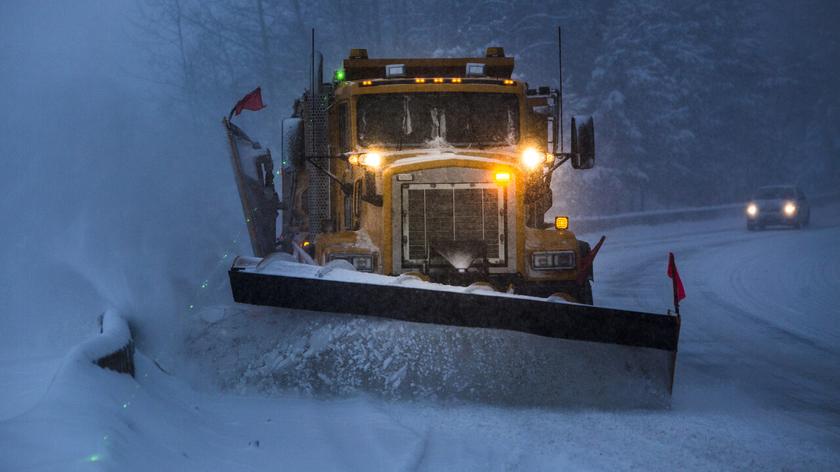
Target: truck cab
x=439, y=168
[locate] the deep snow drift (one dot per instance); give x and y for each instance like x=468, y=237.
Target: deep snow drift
x=756, y=385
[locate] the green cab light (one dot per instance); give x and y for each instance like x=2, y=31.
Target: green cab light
x=340, y=75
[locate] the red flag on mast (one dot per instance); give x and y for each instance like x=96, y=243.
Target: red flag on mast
x=252, y=101
x=679, y=290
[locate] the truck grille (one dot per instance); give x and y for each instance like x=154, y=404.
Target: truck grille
x=452, y=212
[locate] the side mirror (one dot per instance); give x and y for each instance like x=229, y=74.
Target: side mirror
x=583, y=143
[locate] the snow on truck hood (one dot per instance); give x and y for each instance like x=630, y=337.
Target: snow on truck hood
x=432, y=157
x=505, y=155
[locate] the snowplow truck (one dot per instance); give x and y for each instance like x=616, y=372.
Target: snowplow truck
x=440, y=169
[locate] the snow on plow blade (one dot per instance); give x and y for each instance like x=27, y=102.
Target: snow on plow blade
x=605, y=355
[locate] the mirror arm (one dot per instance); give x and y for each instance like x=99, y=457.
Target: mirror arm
x=560, y=158
x=346, y=188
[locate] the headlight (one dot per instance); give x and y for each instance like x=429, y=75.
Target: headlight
x=362, y=262
x=371, y=159
x=790, y=209
x=532, y=159
x=752, y=209
x=368, y=159
x=553, y=260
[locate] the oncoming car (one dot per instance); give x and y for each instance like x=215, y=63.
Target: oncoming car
x=778, y=205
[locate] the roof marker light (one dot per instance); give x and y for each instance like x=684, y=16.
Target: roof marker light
x=419, y=80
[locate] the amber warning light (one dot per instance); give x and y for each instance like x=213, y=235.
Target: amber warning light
x=561, y=222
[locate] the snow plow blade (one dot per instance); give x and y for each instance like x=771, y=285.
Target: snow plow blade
x=616, y=350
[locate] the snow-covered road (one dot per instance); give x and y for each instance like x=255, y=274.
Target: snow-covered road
x=762, y=314
x=757, y=382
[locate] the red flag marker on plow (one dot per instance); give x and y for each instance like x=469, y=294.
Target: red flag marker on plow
x=679, y=290
x=252, y=101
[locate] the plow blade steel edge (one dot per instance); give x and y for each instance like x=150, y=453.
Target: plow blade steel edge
x=617, y=332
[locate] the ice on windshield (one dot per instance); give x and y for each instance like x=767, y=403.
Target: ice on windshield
x=457, y=118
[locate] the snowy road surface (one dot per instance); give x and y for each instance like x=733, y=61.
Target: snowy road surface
x=757, y=382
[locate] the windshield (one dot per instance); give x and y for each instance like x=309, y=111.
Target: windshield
x=460, y=118
x=767, y=193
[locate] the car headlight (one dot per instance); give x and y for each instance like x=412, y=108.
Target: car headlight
x=752, y=209
x=362, y=262
x=553, y=260
x=790, y=209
